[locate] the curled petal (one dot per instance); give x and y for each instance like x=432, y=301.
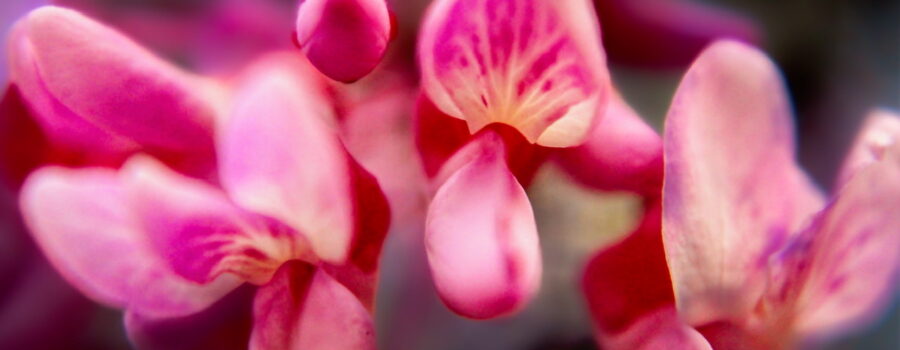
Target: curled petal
x=661, y=329
x=843, y=271
x=200, y=233
x=621, y=153
x=305, y=308
x=82, y=221
x=481, y=237
x=880, y=130
x=732, y=191
x=535, y=65
x=344, y=39
x=279, y=157
x=629, y=280
x=86, y=81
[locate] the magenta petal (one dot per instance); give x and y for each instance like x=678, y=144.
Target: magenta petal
x=200, y=233
x=732, y=191
x=621, y=153
x=305, y=308
x=79, y=74
x=844, y=270
x=880, y=130
x=82, y=221
x=344, y=39
x=281, y=158
x=661, y=329
x=481, y=237
x=535, y=65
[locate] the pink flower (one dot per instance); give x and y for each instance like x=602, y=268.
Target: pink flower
x=284, y=207
x=508, y=84
x=757, y=258
x=344, y=39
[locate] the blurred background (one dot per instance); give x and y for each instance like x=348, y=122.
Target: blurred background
x=840, y=59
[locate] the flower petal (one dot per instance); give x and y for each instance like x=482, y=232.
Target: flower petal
x=629, y=280
x=535, y=65
x=200, y=233
x=621, y=153
x=82, y=221
x=880, y=130
x=280, y=158
x=81, y=74
x=481, y=236
x=843, y=271
x=732, y=192
x=344, y=39
x=305, y=308
x=661, y=329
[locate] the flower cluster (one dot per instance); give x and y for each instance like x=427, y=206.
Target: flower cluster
x=269, y=180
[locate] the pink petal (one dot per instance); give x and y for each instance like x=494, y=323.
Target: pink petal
x=86, y=80
x=200, y=233
x=844, y=270
x=629, y=280
x=481, y=237
x=279, y=157
x=667, y=33
x=373, y=219
x=344, y=39
x=621, y=153
x=881, y=129
x=535, y=65
x=82, y=221
x=732, y=192
x=661, y=329
x=305, y=308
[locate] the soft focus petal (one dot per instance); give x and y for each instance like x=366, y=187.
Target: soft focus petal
x=732, y=192
x=535, y=65
x=86, y=79
x=880, y=130
x=630, y=279
x=82, y=221
x=667, y=33
x=661, y=329
x=481, y=237
x=621, y=153
x=344, y=39
x=305, y=308
x=200, y=233
x=279, y=157
x=843, y=272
